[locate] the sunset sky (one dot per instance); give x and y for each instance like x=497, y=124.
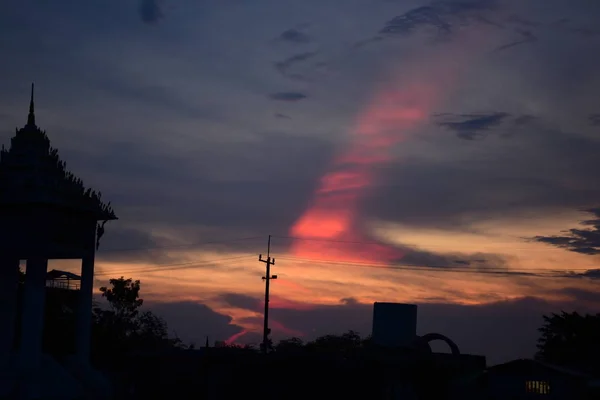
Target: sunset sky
x=444, y=154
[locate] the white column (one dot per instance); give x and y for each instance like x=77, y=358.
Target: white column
x=32, y=323
x=84, y=311
x=9, y=275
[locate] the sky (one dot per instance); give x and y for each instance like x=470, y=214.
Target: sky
x=438, y=153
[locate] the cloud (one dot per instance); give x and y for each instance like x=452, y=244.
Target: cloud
x=524, y=120
x=203, y=205
x=594, y=119
x=517, y=20
x=122, y=244
x=295, y=36
x=284, y=66
x=241, y=301
x=173, y=134
x=487, y=182
x=566, y=25
x=442, y=16
x=151, y=11
x=472, y=126
x=591, y=274
x=251, y=303
x=193, y=322
x=166, y=161
x=288, y=96
x=365, y=42
x=282, y=116
x=583, y=241
x=586, y=32
x=476, y=261
x=256, y=305
x=527, y=36
x=478, y=125
x=582, y=295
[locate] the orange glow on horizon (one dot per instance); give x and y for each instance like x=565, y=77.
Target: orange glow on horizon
x=281, y=302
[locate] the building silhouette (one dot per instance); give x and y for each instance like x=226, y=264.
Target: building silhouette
x=45, y=213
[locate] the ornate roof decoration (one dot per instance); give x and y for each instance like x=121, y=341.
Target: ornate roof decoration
x=32, y=173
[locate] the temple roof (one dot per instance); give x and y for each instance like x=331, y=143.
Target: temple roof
x=32, y=173
x=57, y=274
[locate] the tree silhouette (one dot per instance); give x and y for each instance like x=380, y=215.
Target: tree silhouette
x=123, y=297
x=570, y=339
x=123, y=328
x=345, y=342
x=290, y=345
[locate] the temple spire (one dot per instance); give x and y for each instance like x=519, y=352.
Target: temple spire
x=31, y=116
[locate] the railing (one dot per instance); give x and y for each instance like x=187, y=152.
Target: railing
x=63, y=284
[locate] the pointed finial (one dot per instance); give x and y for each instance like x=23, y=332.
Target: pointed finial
x=31, y=116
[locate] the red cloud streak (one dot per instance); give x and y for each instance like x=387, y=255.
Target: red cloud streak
x=394, y=113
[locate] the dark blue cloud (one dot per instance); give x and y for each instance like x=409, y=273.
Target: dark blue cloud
x=295, y=36
x=134, y=246
x=525, y=22
x=526, y=36
x=590, y=274
x=285, y=65
x=582, y=294
x=151, y=11
x=477, y=125
x=194, y=322
x=471, y=126
x=524, y=120
x=288, y=96
x=442, y=16
x=491, y=181
x=583, y=241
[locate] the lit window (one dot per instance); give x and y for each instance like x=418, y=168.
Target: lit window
x=539, y=387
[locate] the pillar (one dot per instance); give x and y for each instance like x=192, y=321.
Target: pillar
x=84, y=310
x=9, y=276
x=32, y=328
x=32, y=323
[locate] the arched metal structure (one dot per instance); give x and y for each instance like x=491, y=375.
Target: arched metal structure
x=423, y=342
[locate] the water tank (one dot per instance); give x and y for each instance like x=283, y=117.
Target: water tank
x=394, y=324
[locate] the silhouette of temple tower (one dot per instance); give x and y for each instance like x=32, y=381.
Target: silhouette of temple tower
x=45, y=213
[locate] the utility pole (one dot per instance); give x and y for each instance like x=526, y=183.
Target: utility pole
x=267, y=278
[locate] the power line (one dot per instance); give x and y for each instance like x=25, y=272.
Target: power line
x=403, y=266
x=534, y=272
x=540, y=273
